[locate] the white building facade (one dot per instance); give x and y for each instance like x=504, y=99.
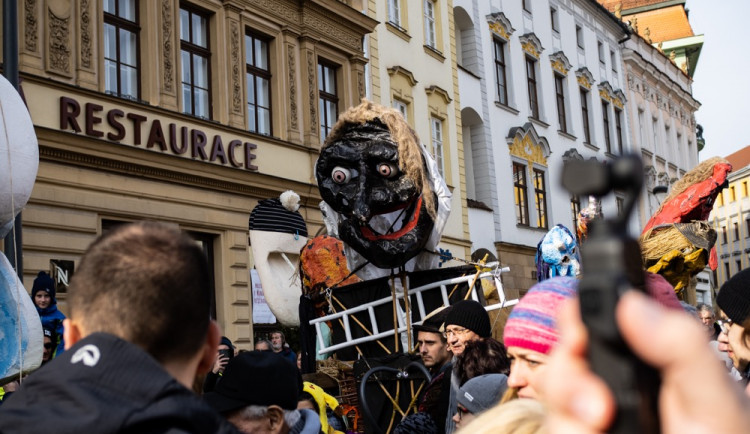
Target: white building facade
x=540, y=82
x=661, y=111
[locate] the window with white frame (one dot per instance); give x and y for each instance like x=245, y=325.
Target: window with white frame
x=437, y=143
x=429, y=24
x=401, y=107
x=394, y=12
x=613, y=60
x=579, y=36
x=600, y=48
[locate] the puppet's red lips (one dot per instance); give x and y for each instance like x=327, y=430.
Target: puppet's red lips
x=408, y=227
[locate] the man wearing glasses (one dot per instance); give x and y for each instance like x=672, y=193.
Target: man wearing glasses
x=467, y=321
x=734, y=300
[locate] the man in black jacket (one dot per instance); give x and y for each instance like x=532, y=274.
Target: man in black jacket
x=139, y=331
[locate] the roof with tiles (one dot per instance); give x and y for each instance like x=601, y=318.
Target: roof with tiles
x=665, y=23
x=627, y=4
x=739, y=159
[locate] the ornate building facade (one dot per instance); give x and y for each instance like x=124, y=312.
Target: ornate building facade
x=187, y=112
x=412, y=67
x=541, y=82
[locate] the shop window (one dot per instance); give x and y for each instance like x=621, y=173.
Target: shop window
x=121, y=53
x=195, y=60
x=258, y=80
x=328, y=100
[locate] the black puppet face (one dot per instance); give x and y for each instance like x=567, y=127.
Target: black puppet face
x=385, y=219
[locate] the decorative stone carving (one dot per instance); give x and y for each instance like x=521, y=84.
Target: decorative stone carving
x=30, y=27
x=59, y=43
x=572, y=154
x=235, y=53
x=312, y=93
x=328, y=27
x=85, y=34
x=291, y=68
x=616, y=97
x=500, y=25
x=531, y=44
x=585, y=77
x=560, y=62
x=166, y=35
x=524, y=142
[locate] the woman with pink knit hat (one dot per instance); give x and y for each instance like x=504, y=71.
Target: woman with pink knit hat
x=531, y=333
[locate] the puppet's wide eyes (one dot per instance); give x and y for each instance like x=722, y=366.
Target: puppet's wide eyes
x=341, y=175
x=387, y=170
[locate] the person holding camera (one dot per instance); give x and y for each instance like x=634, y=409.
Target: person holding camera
x=578, y=401
x=224, y=354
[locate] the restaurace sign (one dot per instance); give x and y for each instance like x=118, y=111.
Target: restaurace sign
x=119, y=126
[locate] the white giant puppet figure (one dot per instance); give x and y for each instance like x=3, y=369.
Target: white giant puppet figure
x=20, y=326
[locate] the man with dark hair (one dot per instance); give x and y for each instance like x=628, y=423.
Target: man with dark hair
x=280, y=347
x=138, y=333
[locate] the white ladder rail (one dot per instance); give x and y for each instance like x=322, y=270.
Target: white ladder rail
x=400, y=315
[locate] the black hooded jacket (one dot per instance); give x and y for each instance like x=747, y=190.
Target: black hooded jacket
x=104, y=384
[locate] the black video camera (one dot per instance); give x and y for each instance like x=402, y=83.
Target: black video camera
x=611, y=264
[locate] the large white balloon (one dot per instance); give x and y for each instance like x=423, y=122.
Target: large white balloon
x=20, y=327
x=19, y=155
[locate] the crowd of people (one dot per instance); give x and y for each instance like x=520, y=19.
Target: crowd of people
x=139, y=334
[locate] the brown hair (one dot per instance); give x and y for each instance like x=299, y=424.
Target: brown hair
x=147, y=283
x=483, y=356
x=410, y=159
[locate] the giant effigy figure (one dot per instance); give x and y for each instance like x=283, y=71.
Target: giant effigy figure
x=383, y=195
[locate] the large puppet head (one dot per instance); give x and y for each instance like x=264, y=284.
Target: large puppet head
x=557, y=254
x=372, y=172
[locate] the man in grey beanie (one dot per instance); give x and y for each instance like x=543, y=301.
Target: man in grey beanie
x=477, y=395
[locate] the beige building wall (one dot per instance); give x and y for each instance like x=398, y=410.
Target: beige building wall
x=106, y=159
x=407, y=69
